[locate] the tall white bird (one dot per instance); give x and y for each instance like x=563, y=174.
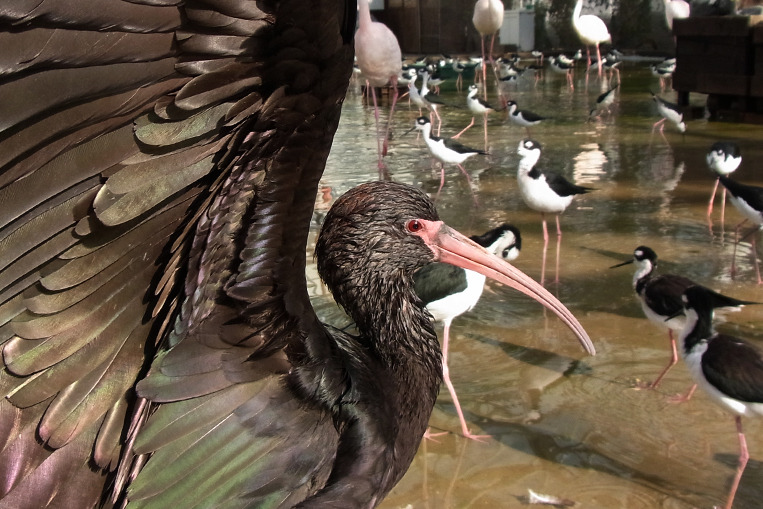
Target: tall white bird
x=676, y=9
x=591, y=30
x=487, y=19
x=380, y=60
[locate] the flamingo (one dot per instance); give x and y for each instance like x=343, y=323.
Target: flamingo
x=160, y=168
x=487, y=19
x=380, y=61
x=676, y=9
x=591, y=30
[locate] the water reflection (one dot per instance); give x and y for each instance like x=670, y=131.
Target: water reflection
x=588, y=165
x=564, y=424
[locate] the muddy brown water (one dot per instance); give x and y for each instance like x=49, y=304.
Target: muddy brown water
x=563, y=423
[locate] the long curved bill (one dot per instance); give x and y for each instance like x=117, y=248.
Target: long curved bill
x=449, y=246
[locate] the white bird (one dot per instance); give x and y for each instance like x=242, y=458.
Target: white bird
x=676, y=9
x=544, y=191
x=664, y=71
x=487, y=19
x=729, y=369
x=603, y=103
x=380, y=60
x=449, y=291
x=478, y=107
x=560, y=67
x=591, y=30
x=445, y=150
x=669, y=111
x=723, y=158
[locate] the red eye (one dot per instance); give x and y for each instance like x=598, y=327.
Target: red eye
x=414, y=225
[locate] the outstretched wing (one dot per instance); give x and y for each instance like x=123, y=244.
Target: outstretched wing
x=158, y=167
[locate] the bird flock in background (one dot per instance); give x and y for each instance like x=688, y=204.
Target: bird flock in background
x=159, y=163
x=670, y=301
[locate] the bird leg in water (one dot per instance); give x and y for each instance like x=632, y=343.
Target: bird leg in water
x=723, y=202
x=393, y=84
x=754, y=247
x=446, y=378
x=671, y=363
x=598, y=56
x=744, y=455
x=463, y=130
x=545, y=248
x=558, y=247
x=484, y=69
x=376, y=118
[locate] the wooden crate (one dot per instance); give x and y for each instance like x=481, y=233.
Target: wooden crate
x=717, y=55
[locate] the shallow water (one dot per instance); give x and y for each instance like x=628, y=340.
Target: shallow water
x=563, y=423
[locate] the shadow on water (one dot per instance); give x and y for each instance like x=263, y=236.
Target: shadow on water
x=563, y=424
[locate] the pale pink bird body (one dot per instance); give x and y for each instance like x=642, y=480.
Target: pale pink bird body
x=380, y=61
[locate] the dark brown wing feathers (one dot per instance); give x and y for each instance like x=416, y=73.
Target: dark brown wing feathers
x=152, y=158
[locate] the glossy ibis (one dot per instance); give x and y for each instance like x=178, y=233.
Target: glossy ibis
x=160, y=162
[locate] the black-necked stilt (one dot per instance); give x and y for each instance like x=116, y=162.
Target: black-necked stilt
x=459, y=67
x=544, y=191
x=523, y=118
x=505, y=84
x=603, y=103
x=660, y=297
x=749, y=202
x=669, y=111
x=664, y=71
x=570, y=60
x=723, y=158
x=612, y=65
x=434, y=101
x=560, y=67
x=435, y=79
x=727, y=368
x=445, y=150
x=380, y=61
x=477, y=106
x=449, y=291
x=416, y=97
x=591, y=30
x=487, y=19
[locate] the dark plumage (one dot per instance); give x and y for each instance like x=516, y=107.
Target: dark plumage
x=728, y=369
x=558, y=183
x=661, y=298
x=159, y=170
x=544, y=191
x=448, y=292
x=748, y=200
x=523, y=118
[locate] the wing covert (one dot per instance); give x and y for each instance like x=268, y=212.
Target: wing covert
x=138, y=144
